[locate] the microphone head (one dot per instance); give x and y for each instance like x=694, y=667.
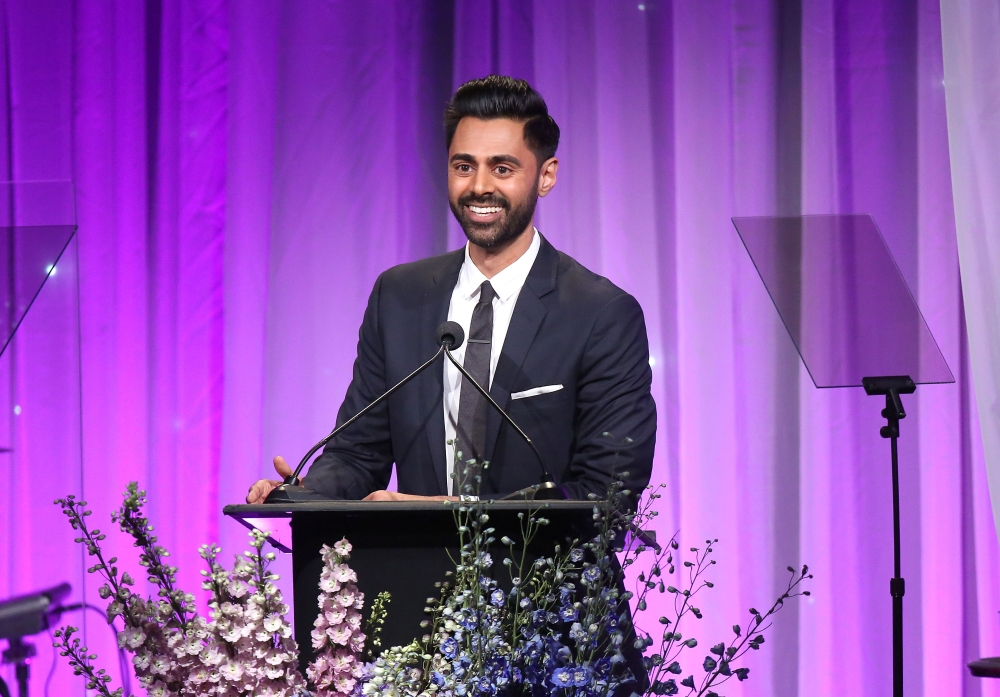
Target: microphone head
x=450, y=335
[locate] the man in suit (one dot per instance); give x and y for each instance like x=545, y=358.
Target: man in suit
x=561, y=349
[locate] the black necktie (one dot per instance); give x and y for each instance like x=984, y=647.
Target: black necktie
x=472, y=406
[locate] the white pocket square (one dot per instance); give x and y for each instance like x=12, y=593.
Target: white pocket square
x=535, y=391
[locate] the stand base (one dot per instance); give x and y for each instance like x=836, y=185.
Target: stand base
x=546, y=491
x=292, y=493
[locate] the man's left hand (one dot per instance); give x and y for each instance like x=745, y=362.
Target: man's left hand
x=383, y=495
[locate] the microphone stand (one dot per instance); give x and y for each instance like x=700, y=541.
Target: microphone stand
x=892, y=387
x=290, y=491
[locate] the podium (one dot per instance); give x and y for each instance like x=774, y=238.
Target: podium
x=401, y=547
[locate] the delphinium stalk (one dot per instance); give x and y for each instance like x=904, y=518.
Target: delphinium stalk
x=81, y=661
x=153, y=661
x=337, y=634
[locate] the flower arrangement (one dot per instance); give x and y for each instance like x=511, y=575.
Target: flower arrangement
x=556, y=625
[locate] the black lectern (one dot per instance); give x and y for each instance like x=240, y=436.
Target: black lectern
x=400, y=547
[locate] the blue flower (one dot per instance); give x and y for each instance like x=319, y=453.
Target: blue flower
x=525, y=603
x=498, y=670
x=581, y=676
x=538, y=618
x=568, y=613
x=576, y=555
x=497, y=597
x=591, y=575
x=562, y=677
x=449, y=647
x=437, y=678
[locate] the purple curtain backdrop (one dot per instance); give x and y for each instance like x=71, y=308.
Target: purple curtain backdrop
x=245, y=170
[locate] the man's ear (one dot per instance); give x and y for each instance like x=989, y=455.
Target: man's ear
x=547, y=176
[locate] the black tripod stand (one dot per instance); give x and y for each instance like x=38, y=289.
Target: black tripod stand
x=892, y=387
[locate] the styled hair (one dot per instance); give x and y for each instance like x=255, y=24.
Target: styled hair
x=501, y=97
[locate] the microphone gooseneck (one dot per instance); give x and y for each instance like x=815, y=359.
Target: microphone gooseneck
x=547, y=488
x=449, y=335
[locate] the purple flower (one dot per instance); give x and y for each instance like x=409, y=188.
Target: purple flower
x=449, y=647
x=496, y=597
x=568, y=613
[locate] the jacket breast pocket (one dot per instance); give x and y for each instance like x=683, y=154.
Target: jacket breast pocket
x=538, y=399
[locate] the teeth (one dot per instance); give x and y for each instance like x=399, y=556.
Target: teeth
x=484, y=211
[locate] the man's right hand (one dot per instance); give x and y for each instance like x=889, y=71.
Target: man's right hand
x=259, y=491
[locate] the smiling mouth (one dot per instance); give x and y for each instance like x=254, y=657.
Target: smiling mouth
x=485, y=210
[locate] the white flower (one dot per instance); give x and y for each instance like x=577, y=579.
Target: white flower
x=328, y=584
x=212, y=656
x=342, y=548
x=344, y=683
x=272, y=622
x=231, y=671
x=134, y=636
x=237, y=588
x=340, y=634
x=157, y=689
x=346, y=596
x=344, y=574
x=198, y=675
x=335, y=616
x=141, y=661
x=159, y=665
x=354, y=619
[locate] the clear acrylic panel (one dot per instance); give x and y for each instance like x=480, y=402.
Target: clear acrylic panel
x=37, y=222
x=842, y=299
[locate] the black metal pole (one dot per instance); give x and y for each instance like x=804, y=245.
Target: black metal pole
x=892, y=387
x=897, y=586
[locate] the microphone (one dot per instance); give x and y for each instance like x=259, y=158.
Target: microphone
x=547, y=488
x=449, y=336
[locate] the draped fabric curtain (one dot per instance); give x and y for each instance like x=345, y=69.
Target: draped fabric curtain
x=245, y=170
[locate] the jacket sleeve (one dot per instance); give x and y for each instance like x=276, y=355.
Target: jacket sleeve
x=615, y=412
x=359, y=461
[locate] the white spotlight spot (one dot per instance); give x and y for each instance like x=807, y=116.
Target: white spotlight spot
x=642, y=7
x=17, y=410
x=652, y=361
x=50, y=270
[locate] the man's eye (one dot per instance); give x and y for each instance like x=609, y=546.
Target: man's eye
x=503, y=171
x=464, y=168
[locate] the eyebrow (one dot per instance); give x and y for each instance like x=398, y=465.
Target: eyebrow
x=492, y=160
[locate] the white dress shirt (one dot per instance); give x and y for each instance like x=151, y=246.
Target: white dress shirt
x=507, y=285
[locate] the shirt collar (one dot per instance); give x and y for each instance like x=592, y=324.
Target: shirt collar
x=508, y=282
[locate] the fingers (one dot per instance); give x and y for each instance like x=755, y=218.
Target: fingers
x=382, y=495
x=281, y=467
x=259, y=491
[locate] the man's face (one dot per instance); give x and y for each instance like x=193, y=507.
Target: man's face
x=493, y=180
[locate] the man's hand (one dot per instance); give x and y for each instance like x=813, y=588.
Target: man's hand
x=383, y=495
x=259, y=491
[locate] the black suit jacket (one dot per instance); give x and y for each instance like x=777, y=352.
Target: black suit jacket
x=569, y=327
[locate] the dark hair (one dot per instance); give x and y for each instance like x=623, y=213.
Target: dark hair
x=501, y=97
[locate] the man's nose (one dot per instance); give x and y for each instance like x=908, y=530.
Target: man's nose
x=483, y=182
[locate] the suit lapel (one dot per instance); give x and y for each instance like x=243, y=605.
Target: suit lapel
x=434, y=311
x=529, y=311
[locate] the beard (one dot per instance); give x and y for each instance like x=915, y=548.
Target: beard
x=512, y=222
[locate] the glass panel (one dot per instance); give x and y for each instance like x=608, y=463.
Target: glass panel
x=37, y=221
x=842, y=299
